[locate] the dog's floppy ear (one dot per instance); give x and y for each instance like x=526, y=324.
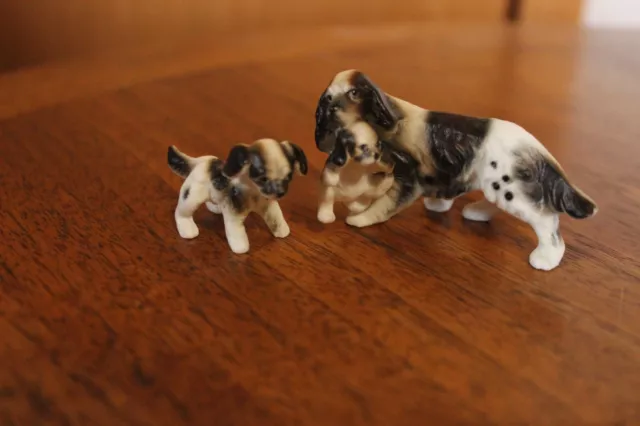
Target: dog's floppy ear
x=338, y=156
x=300, y=159
x=376, y=106
x=393, y=155
x=322, y=123
x=296, y=157
x=236, y=160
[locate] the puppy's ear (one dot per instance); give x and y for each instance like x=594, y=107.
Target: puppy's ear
x=376, y=106
x=236, y=160
x=300, y=159
x=296, y=157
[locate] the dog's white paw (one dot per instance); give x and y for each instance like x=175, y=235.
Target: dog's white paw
x=438, y=205
x=239, y=245
x=282, y=231
x=479, y=211
x=187, y=228
x=213, y=207
x=359, y=221
x=546, y=258
x=326, y=216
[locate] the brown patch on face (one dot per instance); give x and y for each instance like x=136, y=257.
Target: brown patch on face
x=274, y=159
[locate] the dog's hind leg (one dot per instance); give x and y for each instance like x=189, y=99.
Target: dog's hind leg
x=192, y=195
x=384, y=208
x=511, y=199
x=359, y=205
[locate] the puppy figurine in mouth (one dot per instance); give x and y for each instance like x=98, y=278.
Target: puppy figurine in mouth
x=356, y=173
x=252, y=179
x=454, y=154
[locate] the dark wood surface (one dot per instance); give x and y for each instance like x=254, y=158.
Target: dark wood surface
x=107, y=317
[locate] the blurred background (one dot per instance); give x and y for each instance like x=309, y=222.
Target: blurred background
x=37, y=31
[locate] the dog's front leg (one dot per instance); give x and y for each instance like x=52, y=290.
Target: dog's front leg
x=325, y=208
x=235, y=231
x=273, y=217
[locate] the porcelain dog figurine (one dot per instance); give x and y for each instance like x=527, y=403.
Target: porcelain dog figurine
x=356, y=173
x=455, y=154
x=252, y=179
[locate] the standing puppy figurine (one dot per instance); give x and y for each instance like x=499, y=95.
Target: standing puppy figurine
x=455, y=154
x=252, y=179
x=356, y=173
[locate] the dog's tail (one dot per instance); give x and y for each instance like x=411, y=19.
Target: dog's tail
x=180, y=163
x=549, y=184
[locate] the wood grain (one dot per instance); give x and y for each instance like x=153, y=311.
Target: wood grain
x=109, y=318
x=43, y=30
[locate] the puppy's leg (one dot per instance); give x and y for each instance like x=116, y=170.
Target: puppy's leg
x=213, y=207
x=359, y=205
x=382, y=209
x=235, y=230
x=192, y=195
x=479, y=211
x=273, y=217
x=325, y=208
x=438, y=205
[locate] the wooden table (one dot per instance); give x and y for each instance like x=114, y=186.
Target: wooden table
x=107, y=317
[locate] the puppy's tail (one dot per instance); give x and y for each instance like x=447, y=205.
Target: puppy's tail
x=179, y=162
x=548, y=184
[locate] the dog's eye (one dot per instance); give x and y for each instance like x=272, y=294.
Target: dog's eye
x=353, y=93
x=262, y=179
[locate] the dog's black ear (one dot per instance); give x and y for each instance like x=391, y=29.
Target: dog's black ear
x=300, y=159
x=322, y=123
x=238, y=157
x=393, y=155
x=376, y=105
x=338, y=156
x=296, y=156
x=401, y=156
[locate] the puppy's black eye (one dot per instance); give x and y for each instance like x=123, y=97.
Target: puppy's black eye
x=353, y=93
x=262, y=179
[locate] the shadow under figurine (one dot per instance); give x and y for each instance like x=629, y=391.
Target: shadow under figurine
x=454, y=154
x=252, y=179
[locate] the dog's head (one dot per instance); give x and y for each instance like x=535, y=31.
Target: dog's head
x=268, y=164
x=352, y=97
x=356, y=142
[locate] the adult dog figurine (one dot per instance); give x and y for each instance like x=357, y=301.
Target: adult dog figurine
x=455, y=154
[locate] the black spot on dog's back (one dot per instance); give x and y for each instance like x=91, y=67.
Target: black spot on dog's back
x=185, y=194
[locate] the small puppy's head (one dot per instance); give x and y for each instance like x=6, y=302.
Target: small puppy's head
x=268, y=164
x=352, y=97
x=357, y=142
